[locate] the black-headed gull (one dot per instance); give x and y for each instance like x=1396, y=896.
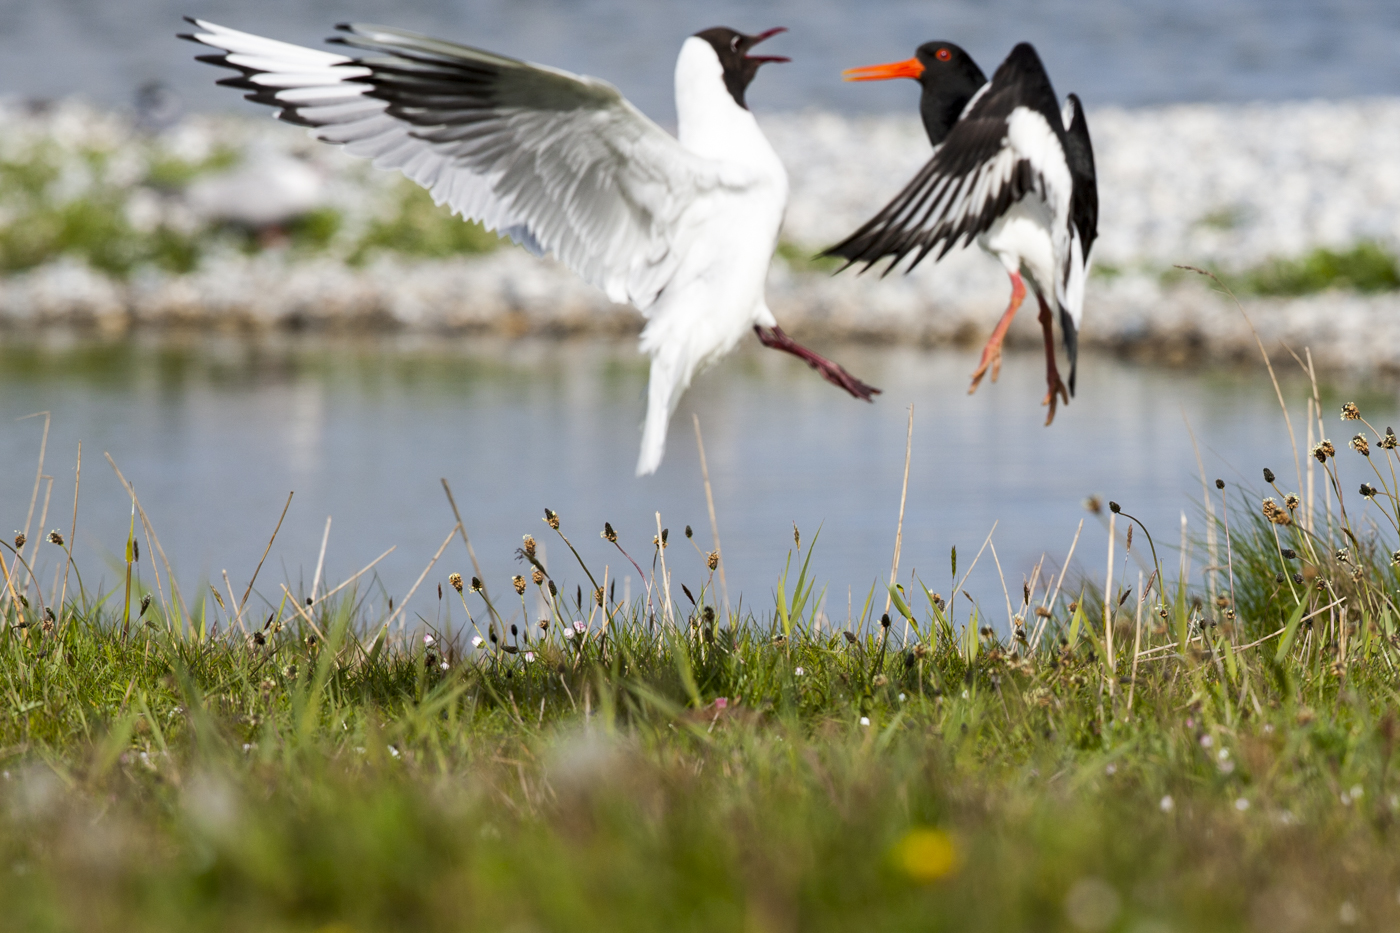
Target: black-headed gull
x=683, y=227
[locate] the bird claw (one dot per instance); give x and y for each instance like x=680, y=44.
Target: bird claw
x=1053, y=396
x=837, y=375
x=991, y=359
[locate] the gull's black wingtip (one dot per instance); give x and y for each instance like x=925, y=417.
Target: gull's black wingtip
x=189, y=36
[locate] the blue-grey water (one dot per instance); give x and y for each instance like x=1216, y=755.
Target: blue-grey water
x=1110, y=51
x=214, y=432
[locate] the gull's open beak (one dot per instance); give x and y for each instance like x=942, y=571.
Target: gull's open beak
x=911, y=68
x=767, y=34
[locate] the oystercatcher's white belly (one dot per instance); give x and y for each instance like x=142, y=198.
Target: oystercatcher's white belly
x=1021, y=239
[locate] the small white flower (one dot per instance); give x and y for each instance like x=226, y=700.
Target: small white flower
x=1223, y=754
x=478, y=641
x=393, y=751
x=901, y=698
x=1242, y=804
x=444, y=665
x=580, y=627
x=529, y=656
x=428, y=639
x=865, y=720
x=1167, y=804
x=799, y=672
x=1207, y=741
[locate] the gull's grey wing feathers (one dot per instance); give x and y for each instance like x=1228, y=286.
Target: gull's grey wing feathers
x=561, y=163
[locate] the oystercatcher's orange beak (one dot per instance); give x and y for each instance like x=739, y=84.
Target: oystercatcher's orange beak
x=912, y=68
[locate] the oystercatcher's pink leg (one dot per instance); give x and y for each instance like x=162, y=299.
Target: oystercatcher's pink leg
x=833, y=373
x=1052, y=372
x=991, y=353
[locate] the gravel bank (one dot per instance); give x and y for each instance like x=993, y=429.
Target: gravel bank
x=1223, y=185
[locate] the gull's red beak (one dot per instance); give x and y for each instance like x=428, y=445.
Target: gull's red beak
x=767, y=34
x=910, y=68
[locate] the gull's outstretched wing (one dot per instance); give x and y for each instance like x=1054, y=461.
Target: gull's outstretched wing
x=560, y=163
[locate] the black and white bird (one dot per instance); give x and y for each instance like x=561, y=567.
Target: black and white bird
x=1010, y=169
x=683, y=227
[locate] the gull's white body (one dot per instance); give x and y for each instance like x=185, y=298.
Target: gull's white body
x=681, y=228
x=727, y=238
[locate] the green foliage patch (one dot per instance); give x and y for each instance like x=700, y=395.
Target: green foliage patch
x=418, y=227
x=1367, y=268
x=79, y=202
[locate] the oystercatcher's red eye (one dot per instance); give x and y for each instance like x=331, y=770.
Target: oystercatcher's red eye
x=943, y=55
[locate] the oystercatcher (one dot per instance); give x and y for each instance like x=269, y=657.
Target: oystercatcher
x=682, y=227
x=1010, y=169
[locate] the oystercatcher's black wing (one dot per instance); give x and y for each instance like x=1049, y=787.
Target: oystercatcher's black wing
x=1079, y=151
x=1009, y=143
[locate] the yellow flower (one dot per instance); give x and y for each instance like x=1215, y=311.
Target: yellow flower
x=926, y=854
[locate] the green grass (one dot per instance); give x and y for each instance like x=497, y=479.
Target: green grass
x=1367, y=268
x=41, y=224
x=1208, y=757
x=73, y=203
x=806, y=259
x=171, y=172
x=419, y=227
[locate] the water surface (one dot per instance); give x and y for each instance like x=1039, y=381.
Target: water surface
x=214, y=433
x=1110, y=51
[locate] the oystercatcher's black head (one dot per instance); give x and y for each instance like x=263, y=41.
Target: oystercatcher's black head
x=739, y=67
x=948, y=75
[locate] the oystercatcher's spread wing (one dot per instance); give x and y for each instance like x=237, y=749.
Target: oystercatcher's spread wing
x=1010, y=142
x=560, y=163
x=1083, y=230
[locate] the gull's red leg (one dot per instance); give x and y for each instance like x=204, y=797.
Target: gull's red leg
x=833, y=373
x=1052, y=372
x=991, y=353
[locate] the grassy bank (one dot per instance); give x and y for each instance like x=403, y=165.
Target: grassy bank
x=1207, y=748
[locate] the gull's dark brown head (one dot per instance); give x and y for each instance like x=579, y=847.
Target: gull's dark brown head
x=739, y=67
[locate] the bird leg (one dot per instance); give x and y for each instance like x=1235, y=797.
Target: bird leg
x=1052, y=372
x=991, y=353
x=833, y=373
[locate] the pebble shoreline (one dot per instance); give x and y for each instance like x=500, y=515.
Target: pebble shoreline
x=1227, y=185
